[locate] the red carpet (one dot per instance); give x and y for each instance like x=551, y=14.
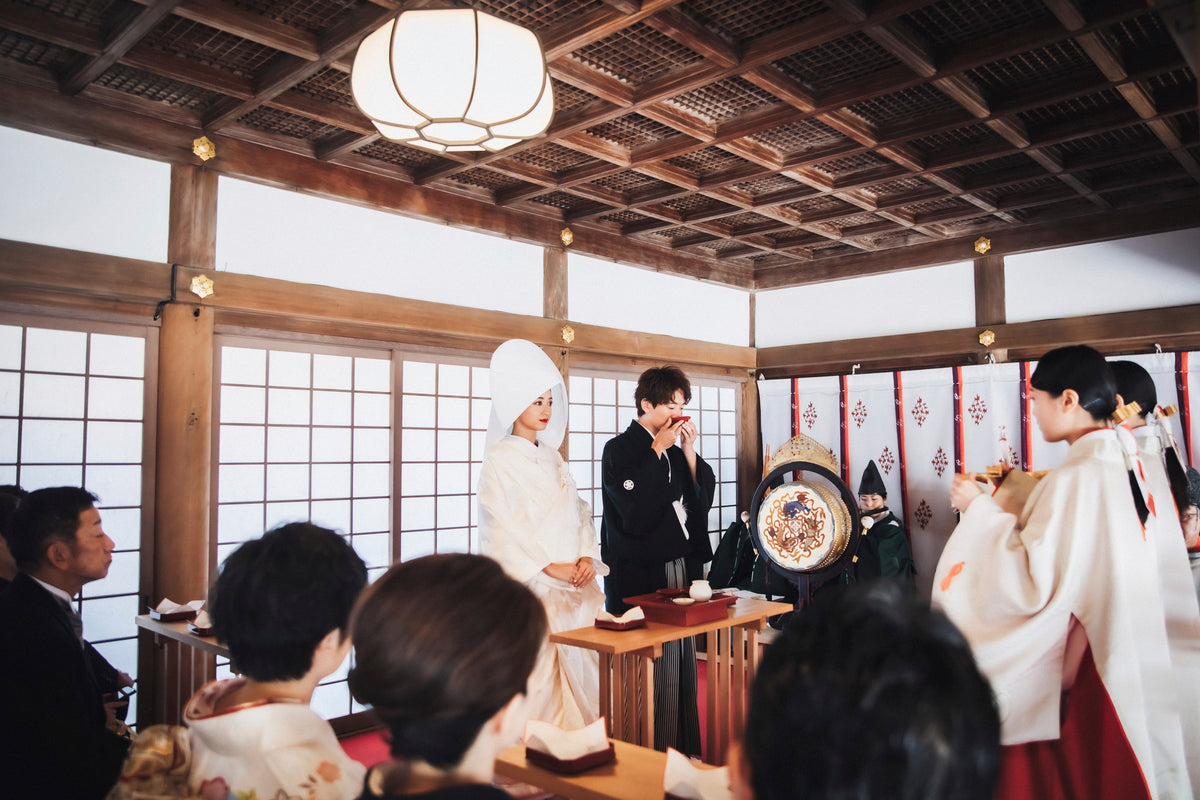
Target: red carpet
x=370, y=748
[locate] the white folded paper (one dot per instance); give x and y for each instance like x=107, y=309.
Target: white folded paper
x=686, y=779
x=169, y=606
x=632, y=615
x=202, y=620
x=566, y=745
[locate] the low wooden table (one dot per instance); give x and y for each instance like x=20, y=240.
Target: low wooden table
x=627, y=671
x=636, y=774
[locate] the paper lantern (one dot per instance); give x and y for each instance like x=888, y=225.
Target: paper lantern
x=453, y=80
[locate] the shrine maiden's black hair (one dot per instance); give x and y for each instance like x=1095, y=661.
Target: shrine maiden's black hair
x=1135, y=385
x=1082, y=369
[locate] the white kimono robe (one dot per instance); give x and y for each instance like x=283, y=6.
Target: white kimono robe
x=1012, y=585
x=531, y=516
x=1178, y=591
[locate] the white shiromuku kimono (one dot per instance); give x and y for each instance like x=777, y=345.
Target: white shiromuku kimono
x=530, y=516
x=1014, y=583
x=1178, y=592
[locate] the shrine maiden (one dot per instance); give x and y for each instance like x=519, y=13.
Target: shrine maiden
x=1155, y=446
x=1060, y=602
x=532, y=521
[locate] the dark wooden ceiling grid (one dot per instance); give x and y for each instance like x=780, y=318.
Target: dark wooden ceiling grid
x=765, y=135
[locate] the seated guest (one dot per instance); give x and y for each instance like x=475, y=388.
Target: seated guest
x=9, y=497
x=868, y=694
x=60, y=743
x=282, y=605
x=108, y=678
x=448, y=679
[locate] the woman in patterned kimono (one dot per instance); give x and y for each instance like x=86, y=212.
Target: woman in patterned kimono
x=1060, y=602
x=534, y=523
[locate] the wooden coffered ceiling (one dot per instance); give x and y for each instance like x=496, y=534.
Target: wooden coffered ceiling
x=758, y=143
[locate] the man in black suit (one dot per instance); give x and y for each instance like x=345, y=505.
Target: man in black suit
x=58, y=737
x=657, y=494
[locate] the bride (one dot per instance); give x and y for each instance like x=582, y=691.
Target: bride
x=534, y=523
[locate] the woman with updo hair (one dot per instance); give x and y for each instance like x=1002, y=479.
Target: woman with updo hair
x=1060, y=602
x=444, y=646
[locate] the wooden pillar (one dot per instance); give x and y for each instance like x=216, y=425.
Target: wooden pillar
x=989, y=300
x=554, y=283
x=749, y=466
x=184, y=431
x=554, y=306
x=185, y=391
x=563, y=360
x=989, y=290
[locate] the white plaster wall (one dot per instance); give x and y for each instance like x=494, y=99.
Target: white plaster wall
x=619, y=296
x=292, y=236
x=71, y=195
x=929, y=299
x=1126, y=275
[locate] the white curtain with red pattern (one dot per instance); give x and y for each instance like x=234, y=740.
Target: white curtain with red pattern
x=816, y=413
x=927, y=420
x=981, y=412
x=990, y=410
x=870, y=423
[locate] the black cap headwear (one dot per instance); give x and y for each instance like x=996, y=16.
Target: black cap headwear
x=1193, y=486
x=872, y=481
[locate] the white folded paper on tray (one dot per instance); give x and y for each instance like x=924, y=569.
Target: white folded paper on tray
x=686, y=779
x=202, y=620
x=632, y=615
x=566, y=745
x=169, y=606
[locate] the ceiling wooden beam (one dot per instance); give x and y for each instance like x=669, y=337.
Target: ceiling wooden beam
x=1177, y=327
x=126, y=34
x=286, y=71
x=1024, y=239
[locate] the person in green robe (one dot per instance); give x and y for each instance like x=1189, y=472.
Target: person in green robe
x=884, y=551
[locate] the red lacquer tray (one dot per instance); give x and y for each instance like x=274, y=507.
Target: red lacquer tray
x=661, y=609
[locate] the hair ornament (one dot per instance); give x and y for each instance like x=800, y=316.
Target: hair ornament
x=1126, y=411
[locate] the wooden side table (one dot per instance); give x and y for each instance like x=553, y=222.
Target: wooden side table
x=181, y=662
x=635, y=774
x=627, y=671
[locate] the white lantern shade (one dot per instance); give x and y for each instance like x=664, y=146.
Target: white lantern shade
x=455, y=79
